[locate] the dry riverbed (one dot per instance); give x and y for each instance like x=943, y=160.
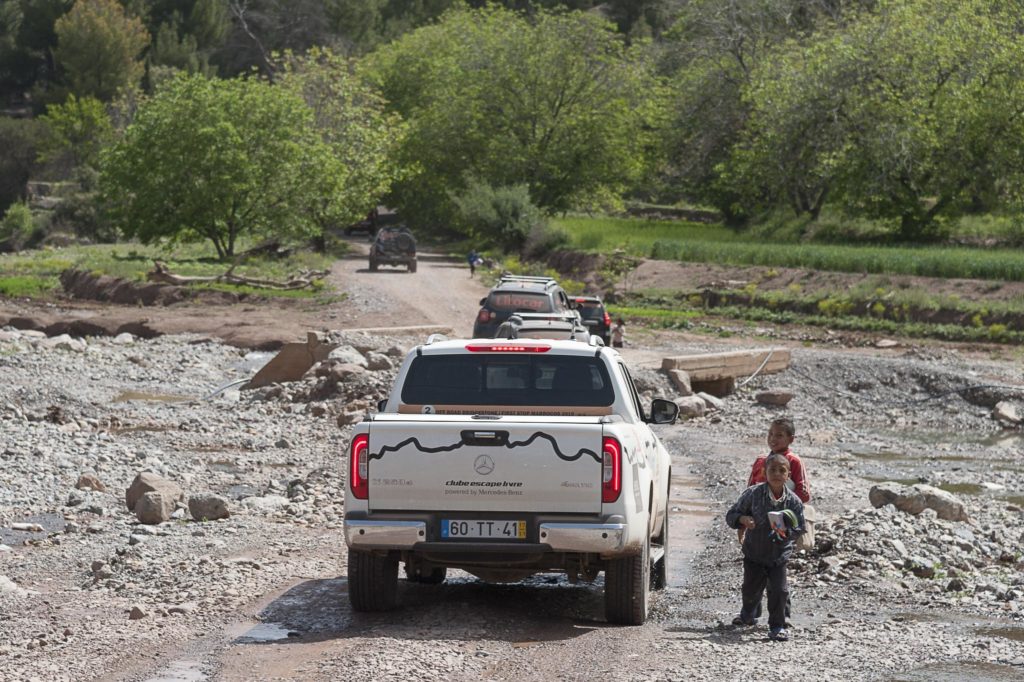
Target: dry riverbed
x=261, y=594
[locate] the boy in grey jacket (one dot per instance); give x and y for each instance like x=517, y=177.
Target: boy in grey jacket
x=766, y=550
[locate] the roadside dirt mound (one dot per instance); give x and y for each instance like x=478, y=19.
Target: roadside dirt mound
x=84, y=285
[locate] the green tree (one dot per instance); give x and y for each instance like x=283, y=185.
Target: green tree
x=554, y=101
x=352, y=122
x=80, y=127
x=710, y=54
x=215, y=160
x=98, y=48
x=904, y=115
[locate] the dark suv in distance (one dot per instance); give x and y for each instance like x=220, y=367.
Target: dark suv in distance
x=595, y=317
x=518, y=294
x=565, y=326
x=393, y=246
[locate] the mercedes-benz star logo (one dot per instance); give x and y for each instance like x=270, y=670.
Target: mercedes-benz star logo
x=483, y=465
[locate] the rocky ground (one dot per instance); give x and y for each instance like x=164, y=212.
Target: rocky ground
x=87, y=592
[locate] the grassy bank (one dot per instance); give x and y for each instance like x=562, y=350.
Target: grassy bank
x=703, y=243
x=36, y=273
x=950, y=320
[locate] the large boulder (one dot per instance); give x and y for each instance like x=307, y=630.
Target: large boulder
x=155, y=507
x=148, y=482
x=681, y=380
x=691, y=406
x=347, y=355
x=916, y=498
x=208, y=507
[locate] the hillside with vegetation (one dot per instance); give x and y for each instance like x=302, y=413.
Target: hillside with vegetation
x=881, y=136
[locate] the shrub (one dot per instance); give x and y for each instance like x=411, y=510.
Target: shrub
x=17, y=226
x=500, y=215
x=543, y=239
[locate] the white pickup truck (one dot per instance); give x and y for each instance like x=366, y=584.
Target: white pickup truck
x=506, y=458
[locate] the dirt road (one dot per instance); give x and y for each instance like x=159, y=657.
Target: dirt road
x=440, y=294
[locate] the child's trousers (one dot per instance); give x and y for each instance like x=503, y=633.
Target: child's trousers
x=757, y=576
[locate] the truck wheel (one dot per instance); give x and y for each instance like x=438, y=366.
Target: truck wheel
x=659, y=572
x=627, y=586
x=372, y=581
x=412, y=266
x=373, y=265
x=435, y=576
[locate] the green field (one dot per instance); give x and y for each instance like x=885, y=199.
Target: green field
x=702, y=243
x=36, y=273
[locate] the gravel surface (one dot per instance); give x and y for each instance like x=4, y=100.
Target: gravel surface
x=87, y=592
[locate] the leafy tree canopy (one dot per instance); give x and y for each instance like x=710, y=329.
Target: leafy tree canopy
x=353, y=123
x=903, y=115
x=215, y=159
x=98, y=47
x=80, y=127
x=554, y=101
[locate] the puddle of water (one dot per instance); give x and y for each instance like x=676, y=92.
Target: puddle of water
x=224, y=466
x=265, y=632
x=254, y=361
x=180, y=671
x=962, y=488
x=996, y=439
x=1015, y=634
x=242, y=491
x=889, y=479
x=125, y=396
x=887, y=456
x=155, y=428
x=50, y=523
x=957, y=672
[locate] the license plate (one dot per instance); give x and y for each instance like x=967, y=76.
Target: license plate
x=505, y=530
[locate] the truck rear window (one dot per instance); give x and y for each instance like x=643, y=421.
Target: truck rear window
x=518, y=301
x=530, y=380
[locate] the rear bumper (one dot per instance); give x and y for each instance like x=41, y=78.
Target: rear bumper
x=583, y=538
x=384, y=534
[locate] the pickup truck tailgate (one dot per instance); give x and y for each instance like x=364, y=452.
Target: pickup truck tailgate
x=455, y=463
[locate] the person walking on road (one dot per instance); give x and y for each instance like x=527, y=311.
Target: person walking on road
x=473, y=259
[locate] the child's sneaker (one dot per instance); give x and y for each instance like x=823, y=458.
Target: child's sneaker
x=778, y=635
x=740, y=621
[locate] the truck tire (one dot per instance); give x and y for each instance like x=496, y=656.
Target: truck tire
x=412, y=266
x=627, y=587
x=373, y=265
x=405, y=242
x=435, y=576
x=372, y=581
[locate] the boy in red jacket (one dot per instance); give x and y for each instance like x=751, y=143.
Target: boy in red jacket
x=781, y=435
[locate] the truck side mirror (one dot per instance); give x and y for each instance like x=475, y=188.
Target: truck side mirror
x=483, y=300
x=383, y=403
x=663, y=411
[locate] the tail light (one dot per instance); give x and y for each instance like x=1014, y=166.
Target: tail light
x=358, y=464
x=607, y=320
x=507, y=348
x=611, y=469
x=484, y=315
